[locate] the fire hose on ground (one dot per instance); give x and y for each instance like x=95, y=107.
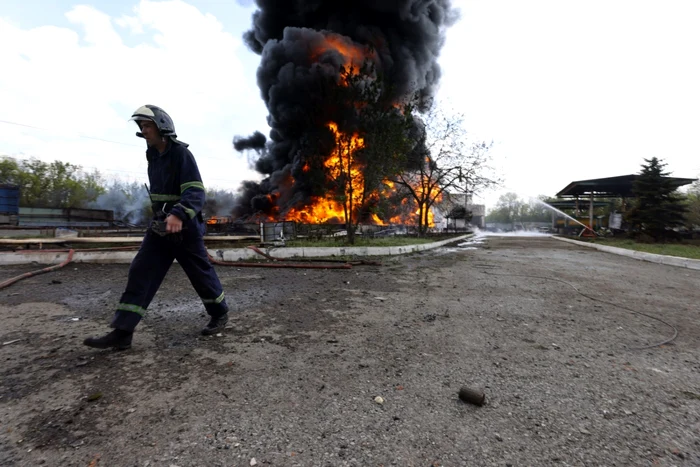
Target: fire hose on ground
x=595, y=299
x=70, y=252
x=66, y=250
x=301, y=264
x=315, y=260
x=37, y=272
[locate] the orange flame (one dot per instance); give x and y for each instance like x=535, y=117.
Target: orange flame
x=409, y=212
x=214, y=220
x=354, y=54
x=340, y=163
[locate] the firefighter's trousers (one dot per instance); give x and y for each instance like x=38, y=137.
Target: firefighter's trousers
x=151, y=264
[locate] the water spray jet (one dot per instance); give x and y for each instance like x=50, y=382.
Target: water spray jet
x=558, y=211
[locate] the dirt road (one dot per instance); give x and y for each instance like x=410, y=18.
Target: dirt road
x=294, y=379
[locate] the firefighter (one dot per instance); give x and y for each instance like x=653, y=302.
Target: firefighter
x=176, y=232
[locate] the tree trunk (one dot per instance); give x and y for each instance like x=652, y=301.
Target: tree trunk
x=349, y=224
x=347, y=206
x=426, y=220
x=420, y=219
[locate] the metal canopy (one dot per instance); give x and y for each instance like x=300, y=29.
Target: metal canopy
x=614, y=187
x=571, y=204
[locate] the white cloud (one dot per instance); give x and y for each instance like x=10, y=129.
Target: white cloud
x=87, y=79
x=572, y=91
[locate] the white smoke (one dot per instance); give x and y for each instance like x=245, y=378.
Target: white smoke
x=129, y=201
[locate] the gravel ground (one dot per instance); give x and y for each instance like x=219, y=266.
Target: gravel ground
x=551, y=332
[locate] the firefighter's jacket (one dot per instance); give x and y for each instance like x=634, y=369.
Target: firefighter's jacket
x=176, y=186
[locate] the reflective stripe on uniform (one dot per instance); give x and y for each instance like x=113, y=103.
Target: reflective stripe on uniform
x=187, y=185
x=156, y=197
x=190, y=212
x=133, y=308
x=216, y=300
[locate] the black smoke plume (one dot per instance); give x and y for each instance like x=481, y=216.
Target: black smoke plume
x=402, y=38
x=256, y=141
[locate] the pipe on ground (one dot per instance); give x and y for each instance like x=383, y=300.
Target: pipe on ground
x=314, y=260
x=280, y=265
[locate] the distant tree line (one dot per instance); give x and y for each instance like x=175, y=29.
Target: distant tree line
x=60, y=184
x=512, y=209
x=657, y=209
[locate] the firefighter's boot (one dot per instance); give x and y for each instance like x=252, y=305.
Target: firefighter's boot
x=118, y=339
x=215, y=324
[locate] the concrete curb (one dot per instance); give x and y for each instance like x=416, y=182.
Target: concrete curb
x=234, y=254
x=640, y=255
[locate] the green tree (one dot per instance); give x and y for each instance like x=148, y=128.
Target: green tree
x=535, y=211
x=10, y=172
x=658, y=206
x=53, y=185
x=509, y=209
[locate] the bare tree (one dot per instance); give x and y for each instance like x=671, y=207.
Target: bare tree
x=451, y=163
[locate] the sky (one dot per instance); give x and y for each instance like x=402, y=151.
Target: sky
x=565, y=90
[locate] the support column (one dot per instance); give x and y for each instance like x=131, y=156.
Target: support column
x=590, y=212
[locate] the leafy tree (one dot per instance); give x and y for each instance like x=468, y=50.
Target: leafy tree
x=54, y=185
x=508, y=209
x=10, y=172
x=536, y=211
x=658, y=207
x=511, y=209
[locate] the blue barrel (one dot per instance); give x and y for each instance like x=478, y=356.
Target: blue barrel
x=9, y=199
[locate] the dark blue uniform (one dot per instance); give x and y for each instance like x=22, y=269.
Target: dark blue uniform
x=176, y=188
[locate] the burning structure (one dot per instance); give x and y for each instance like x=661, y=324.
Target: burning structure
x=317, y=163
